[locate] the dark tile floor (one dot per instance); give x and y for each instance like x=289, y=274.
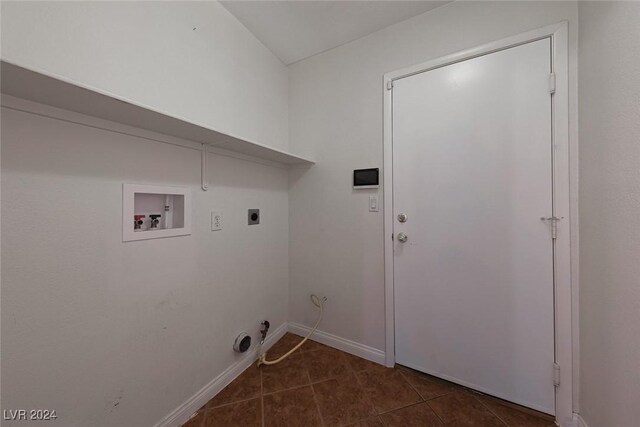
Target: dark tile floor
x=322, y=386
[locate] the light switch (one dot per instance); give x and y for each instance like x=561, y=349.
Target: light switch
x=373, y=203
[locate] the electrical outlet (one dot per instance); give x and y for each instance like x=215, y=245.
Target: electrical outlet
x=216, y=221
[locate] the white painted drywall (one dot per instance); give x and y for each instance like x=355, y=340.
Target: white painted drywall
x=609, y=90
x=188, y=59
x=121, y=334
x=336, y=117
x=295, y=30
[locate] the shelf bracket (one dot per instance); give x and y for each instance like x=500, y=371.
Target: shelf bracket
x=203, y=167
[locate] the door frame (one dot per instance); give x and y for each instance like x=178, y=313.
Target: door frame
x=564, y=194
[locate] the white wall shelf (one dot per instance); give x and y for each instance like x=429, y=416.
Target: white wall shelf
x=63, y=93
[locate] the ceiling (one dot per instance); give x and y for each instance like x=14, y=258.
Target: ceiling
x=297, y=29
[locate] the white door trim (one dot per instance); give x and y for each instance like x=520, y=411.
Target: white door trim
x=565, y=187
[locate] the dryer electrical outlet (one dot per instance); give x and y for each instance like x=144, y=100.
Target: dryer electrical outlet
x=254, y=216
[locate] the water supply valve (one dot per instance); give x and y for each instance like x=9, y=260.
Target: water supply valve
x=264, y=328
x=154, y=220
x=138, y=222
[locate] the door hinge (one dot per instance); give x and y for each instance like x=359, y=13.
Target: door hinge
x=390, y=85
x=556, y=375
x=554, y=224
x=552, y=83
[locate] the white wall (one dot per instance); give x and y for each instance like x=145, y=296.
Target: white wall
x=189, y=59
x=120, y=334
x=78, y=304
x=610, y=213
x=109, y=333
x=336, y=245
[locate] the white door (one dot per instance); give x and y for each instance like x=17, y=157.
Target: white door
x=472, y=171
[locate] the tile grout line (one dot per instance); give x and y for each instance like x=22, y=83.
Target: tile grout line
x=262, y=396
x=304, y=354
x=401, y=407
x=437, y=416
x=423, y=399
x=378, y=414
x=410, y=404
x=406, y=376
x=290, y=388
x=411, y=385
x=315, y=400
x=489, y=409
x=375, y=410
x=352, y=371
x=511, y=406
x=402, y=374
x=232, y=403
x=355, y=374
x=473, y=393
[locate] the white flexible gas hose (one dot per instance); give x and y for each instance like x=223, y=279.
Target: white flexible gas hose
x=318, y=302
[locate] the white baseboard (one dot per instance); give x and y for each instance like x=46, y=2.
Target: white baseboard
x=182, y=413
x=366, y=352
